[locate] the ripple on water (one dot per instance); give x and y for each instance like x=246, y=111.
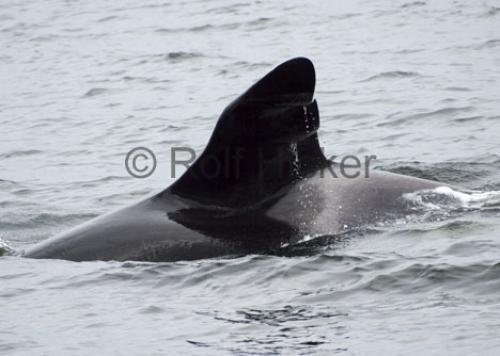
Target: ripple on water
x=422, y=284
x=488, y=44
x=41, y=220
x=95, y=91
x=289, y=326
x=455, y=172
x=397, y=74
x=20, y=153
x=178, y=56
x=447, y=112
x=413, y=4
x=492, y=11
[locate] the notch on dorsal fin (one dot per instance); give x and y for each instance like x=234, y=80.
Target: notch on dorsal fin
x=263, y=140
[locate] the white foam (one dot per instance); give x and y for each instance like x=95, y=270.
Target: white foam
x=5, y=248
x=446, y=198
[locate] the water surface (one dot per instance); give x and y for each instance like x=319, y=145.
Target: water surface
x=414, y=82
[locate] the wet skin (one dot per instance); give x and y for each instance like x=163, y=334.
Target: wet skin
x=261, y=183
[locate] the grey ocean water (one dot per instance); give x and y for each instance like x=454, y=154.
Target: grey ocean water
x=416, y=83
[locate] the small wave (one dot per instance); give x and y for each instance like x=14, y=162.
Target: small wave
x=472, y=247
x=247, y=65
x=468, y=119
x=257, y=23
x=20, y=153
x=394, y=137
x=177, y=56
x=93, y=182
x=487, y=158
x=233, y=8
x=419, y=277
x=489, y=187
x=200, y=28
x=492, y=11
x=489, y=44
x=460, y=225
x=95, y=91
x=274, y=316
x=58, y=219
x=448, y=111
x=444, y=112
x=107, y=18
x=413, y=4
x=7, y=181
x=346, y=16
x=352, y=116
x=45, y=38
x=46, y=219
x=457, y=89
x=398, y=74
x=450, y=172
x=408, y=51
x=129, y=78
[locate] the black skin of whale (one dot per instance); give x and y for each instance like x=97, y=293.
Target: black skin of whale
x=276, y=191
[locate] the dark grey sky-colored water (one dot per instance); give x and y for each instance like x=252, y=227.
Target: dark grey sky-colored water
x=414, y=82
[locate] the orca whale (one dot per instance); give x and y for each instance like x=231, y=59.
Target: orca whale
x=261, y=183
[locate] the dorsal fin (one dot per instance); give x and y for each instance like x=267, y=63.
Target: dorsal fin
x=290, y=83
x=263, y=140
